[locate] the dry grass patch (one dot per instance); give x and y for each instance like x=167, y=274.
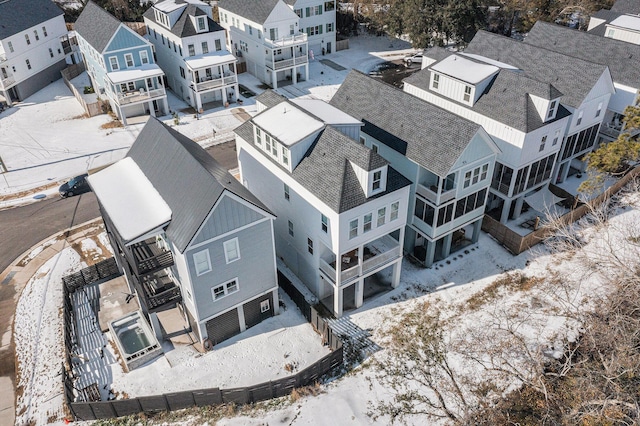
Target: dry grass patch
x=113, y=124
x=513, y=281
x=311, y=390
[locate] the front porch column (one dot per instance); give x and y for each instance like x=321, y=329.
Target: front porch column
x=276, y=302
x=122, y=115
x=274, y=79
x=152, y=110
x=243, y=325
x=431, y=253
x=198, y=101
x=166, y=106
x=294, y=75
x=7, y=97
x=565, y=171
x=477, y=227
x=359, y=292
x=338, y=302
x=395, y=275
x=518, y=207
x=504, y=215
x=224, y=97
x=306, y=72
x=446, y=245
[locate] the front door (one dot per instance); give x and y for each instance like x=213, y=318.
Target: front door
x=328, y=47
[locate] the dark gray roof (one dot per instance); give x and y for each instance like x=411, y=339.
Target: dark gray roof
x=622, y=58
x=607, y=15
x=572, y=76
x=505, y=100
x=189, y=180
x=20, y=15
x=184, y=26
x=437, y=53
x=254, y=10
x=269, y=98
x=631, y=7
x=429, y=135
x=96, y=26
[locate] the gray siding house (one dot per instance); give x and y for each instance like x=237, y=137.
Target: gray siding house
x=188, y=235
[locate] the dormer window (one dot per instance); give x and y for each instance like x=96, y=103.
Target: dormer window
x=377, y=181
x=201, y=23
x=436, y=81
x=377, y=177
x=467, y=93
x=552, y=110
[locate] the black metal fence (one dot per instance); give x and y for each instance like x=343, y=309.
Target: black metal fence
x=199, y=398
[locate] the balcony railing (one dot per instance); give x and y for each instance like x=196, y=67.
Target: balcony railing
x=279, y=64
x=287, y=41
x=138, y=96
x=431, y=193
x=159, y=291
x=5, y=82
x=3, y=57
x=215, y=82
x=150, y=258
x=380, y=259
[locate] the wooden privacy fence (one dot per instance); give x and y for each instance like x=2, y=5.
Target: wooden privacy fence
x=342, y=44
x=517, y=243
x=68, y=74
x=94, y=410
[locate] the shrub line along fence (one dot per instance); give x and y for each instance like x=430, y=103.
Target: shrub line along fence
x=68, y=74
x=517, y=243
x=93, y=410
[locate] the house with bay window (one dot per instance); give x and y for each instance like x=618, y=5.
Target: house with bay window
x=543, y=110
x=191, y=48
x=267, y=38
x=120, y=64
x=188, y=235
x=34, y=47
x=318, y=21
x=340, y=206
x=448, y=159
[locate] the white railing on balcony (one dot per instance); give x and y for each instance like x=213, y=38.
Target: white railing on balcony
x=3, y=57
x=327, y=270
x=279, y=64
x=287, y=41
x=431, y=194
x=138, y=96
x=380, y=259
x=5, y=82
x=215, y=82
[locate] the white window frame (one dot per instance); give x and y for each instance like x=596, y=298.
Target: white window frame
x=367, y=222
x=196, y=261
x=376, y=185
x=205, y=47
x=353, y=230
x=394, y=212
x=310, y=246
x=381, y=219
x=112, y=63
x=555, y=138
x=229, y=247
x=467, y=94
x=128, y=57
x=201, y=24
x=290, y=229
x=436, y=81
x=552, y=109
x=324, y=223
x=580, y=113
x=287, y=192
x=144, y=57
x=225, y=289
x=285, y=156
x=192, y=49
x=265, y=306
x=543, y=142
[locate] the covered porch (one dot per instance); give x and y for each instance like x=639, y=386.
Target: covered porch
x=287, y=59
x=213, y=79
x=137, y=91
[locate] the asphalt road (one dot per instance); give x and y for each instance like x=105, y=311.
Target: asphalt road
x=23, y=227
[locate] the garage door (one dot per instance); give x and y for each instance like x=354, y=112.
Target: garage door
x=258, y=309
x=223, y=327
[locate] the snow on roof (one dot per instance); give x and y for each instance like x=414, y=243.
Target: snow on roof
x=145, y=71
x=325, y=111
x=213, y=58
x=628, y=22
x=489, y=61
x=465, y=69
x=168, y=6
x=287, y=123
x=132, y=203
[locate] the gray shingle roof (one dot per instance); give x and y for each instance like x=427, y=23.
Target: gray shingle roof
x=505, y=100
x=20, y=15
x=96, y=26
x=623, y=59
x=437, y=53
x=627, y=6
x=186, y=176
x=572, y=76
x=184, y=26
x=269, y=98
x=254, y=10
x=427, y=134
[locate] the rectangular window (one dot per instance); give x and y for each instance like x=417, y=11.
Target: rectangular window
x=273, y=33
x=552, y=109
x=291, y=228
x=264, y=306
x=424, y=211
x=10, y=46
x=599, y=109
x=26, y=37
x=324, y=223
x=467, y=179
x=285, y=156
x=467, y=93
x=180, y=50
x=35, y=34
x=310, y=245
x=113, y=61
x=218, y=45
x=393, y=214
x=329, y=27
x=50, y=52
x=182, y=73
x=225, y=289
x=436, y=81
x=28, y=64
x=366, y=222
x=353, y=228
x=144, y=57
x=202, y=262
x=579, y=118
x=329, y=5
x=543, y=143
x=258, y=136
x=205, y=48
x=231, y=250
x=299, y=13
x=201, y=26
x=382, y=213
x=267, y=140
x=374, y=147
x=192, y=50
x=377, y=177
x=485, y=171
x=44, y=31
x=128, y=58
x=555, y=138
x=287, y=195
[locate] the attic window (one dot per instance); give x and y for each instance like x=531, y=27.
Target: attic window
x=436, y=81
x=552, y=109
x=377, y=177
x=467, y=93
x=201, y=23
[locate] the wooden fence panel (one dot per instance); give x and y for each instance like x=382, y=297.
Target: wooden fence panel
x=153, y=404
x=206, y=397
x=284, y=386
x=261, y=392
x=309, y=375
x=82, y=411
x=342, y=45
x=126, y=407
x=103, y=410
x=180, y=400
x=238, y=396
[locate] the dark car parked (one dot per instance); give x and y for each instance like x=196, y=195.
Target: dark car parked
x=77, y=185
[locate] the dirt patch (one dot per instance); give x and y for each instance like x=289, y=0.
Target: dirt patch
x=241, y=114
x=113, y=124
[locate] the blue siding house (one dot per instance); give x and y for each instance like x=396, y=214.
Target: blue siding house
x=120, y=64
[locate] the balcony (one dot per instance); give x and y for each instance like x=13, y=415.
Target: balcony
x=431, y=194
x=3, y=57
x=286, y=41
x=139, y=96
x=150, y=258
x=376, y=253
x=6, y=82
x=158, y=292
x=279, y=64
x=215, y=82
